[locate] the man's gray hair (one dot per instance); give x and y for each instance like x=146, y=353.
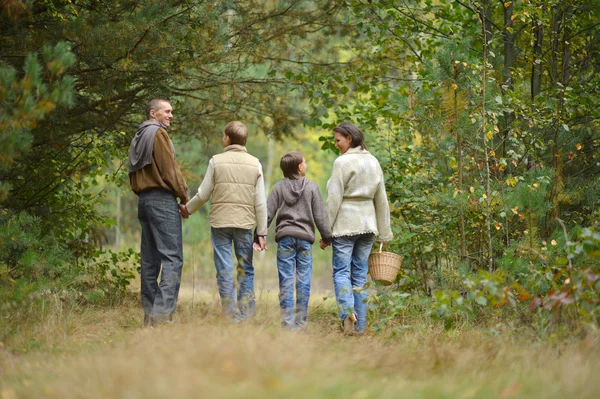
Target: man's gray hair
x=155, y=104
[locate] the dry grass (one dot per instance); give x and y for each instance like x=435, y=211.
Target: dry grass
x=106, y=354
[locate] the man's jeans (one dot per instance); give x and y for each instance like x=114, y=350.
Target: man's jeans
x=159, y=217
x=293, y=253
x=350, y=267
x=245, y=305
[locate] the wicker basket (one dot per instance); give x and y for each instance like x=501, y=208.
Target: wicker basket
x=384, y=266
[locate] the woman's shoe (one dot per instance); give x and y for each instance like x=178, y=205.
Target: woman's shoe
x=348, y=324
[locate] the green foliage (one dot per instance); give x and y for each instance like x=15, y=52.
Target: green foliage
x=27, y=99
x=27, y=252
x=463, y=170
x=105, y=278
x=32, y=260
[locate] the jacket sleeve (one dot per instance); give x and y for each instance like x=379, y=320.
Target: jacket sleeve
x=260, y=204
x=272, y=204
x=204, y=191
x=167, y=166
x=335, y=193
x=382, y=211
x=320, y=215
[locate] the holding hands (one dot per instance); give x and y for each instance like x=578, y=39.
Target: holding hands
x=323, y=244
x=183, y=211
x=261, y=245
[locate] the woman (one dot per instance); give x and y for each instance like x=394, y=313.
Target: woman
x=358, y=211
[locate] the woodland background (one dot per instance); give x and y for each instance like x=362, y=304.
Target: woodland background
x=484, y=115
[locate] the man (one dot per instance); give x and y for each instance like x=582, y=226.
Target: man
x=155, y=177
x=235, y=181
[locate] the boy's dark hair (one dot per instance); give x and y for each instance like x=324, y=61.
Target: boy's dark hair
x=289, y=164
x=347, y=129
x=155, y=104
x=237, y=132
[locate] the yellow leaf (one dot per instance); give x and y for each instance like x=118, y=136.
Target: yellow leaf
x=567, y=281
x=484, y=196
x=578, y=146
x=553, y=242
x=489, y=135
x=515, y=210
x=454, y=86
x=472, y=189
x=511, y=181
x=507, y=4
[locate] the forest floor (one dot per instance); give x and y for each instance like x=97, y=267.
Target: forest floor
x=92, y=352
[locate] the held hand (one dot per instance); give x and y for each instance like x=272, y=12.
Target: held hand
x=183, y=211
x=262, y=243
x=256, y=246
x=323, y=244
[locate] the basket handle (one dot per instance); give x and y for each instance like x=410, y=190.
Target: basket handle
x=381, y=246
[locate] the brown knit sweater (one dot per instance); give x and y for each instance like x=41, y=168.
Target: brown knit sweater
x=163, y=172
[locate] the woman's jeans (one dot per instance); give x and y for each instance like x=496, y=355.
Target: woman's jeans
x=293, y=253
x=159, y=217
x=350, y=267
x=245, y=304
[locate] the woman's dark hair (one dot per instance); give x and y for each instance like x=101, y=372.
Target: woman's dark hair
x=347, y=129
x=289, y=164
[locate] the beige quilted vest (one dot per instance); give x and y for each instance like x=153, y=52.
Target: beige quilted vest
x=232, y=203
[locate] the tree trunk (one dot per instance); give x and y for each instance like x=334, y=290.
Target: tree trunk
x=536, y=66
x=269, y=171
x=486, y=21
x=509, y=47
x=459, y=156
x=554, y=44
x=564, y=76
x=488, y=201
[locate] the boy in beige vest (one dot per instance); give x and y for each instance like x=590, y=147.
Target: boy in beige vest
x=234, y=180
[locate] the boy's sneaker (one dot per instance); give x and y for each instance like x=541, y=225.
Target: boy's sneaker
x=348, y=324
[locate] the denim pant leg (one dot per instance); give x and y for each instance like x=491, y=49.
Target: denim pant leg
x=303, y=277
x=242, y=242
x=286, y=259
x=150, y=265
x=358, y=276
x=342, y=257
x=221, y=240
x=162, y=242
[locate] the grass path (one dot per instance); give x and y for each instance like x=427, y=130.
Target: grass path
x=106, y=354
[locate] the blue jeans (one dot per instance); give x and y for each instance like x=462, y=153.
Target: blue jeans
x=293, y=253
x=159, y=217
x=350, y=267
x=245, y=304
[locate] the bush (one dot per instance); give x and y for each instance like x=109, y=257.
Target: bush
x=35, y=266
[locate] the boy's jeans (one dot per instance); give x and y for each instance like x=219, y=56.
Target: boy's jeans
x=245, y=304
x=350, y=267
x=293, y=253
x=159, y=217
